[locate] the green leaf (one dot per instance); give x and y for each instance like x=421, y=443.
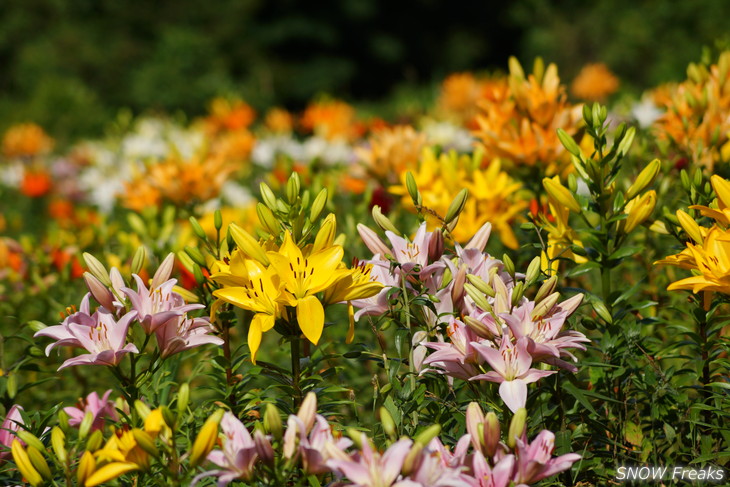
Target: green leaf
x=579, y=396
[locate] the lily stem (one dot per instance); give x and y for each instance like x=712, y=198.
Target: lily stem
x=295, y=370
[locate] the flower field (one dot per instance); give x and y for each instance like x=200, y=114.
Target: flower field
x=525, y=282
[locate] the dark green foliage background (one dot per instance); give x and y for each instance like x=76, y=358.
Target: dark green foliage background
x=71, y=65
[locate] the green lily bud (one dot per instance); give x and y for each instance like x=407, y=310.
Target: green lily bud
x=456, y=206
x=196, y=255
x=569, y=143
x=516, y=427
x=142, y=409
x=383, y=221
x=425, y=436
x=318, y=205
x=478, y=298
x=95, y=440
x=97, y=269
x=268, y=196
x=140, y=256
x=63, y=420
x=40, y=464
x=30, y=439
x=11, y=385
x=197, y=228
x=544, y=306
x=412, y=188
x=547, y=288
x=217, y=219
x=85, y=425
x=272, y=421
x=386, y=420
x=292, y=188
x=146, y=442
x=183, y=399
x=481, y=284
x=267, y=219
x=509, y=266
x=644, y=179
x=517, y=292
x=58, y=443
x=167, y=415
x=533, y=271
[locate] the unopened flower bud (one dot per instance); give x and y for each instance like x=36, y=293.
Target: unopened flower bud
x=544, y=307
x=272, y=421
x=644, y=179
x=146, y=442
x=326, y=234
x=516, y=427
x=474, y=419
x=457, y=290
x=533, y=271
x=412, y=188
x=491, y=434
x=372, y=241
x=40, y=464
x=30, y=439
x=206, y=438
x=318, y=205
x=639, y=209
x=292, y=188
x=478, y=327
x=58, y=443
x=267, y=219
x=24, y=464
x=481, y=284
x=85, y=425
x=560, y=194
x=164, y=271
x=199, y=232
x=168, y=416
x=196, y=255
x=517, y=292
x=142, y=409
x=546, y=289
x=268, y=196
x=308, y=410
x=436, y=246
x=63, y=420
x=386, y=420
x=690, y=226
x=183, y=399
x=425, y=436
x=217, y=219
x=248, y=244
x=86, y=467
x=263, y=447
x=456, y=206
x=478, y=298
x=97, y=269
x=94, y=441
x=480, y=239
x=358, y=437
x=382, y=221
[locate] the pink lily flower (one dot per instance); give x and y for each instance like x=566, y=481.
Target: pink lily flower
x=100, y=409
x=500, y=475
x=378, y=304
x=436, y=466
x=105, y=341
x=412, y=254
x=369, y=468
x=457, y=358
x=238, y=457
x=511, y=364
x=157, y=305
x=181, y=333
x=546, y=342
x=11, y=424
x=535, y=461
x=61, y=333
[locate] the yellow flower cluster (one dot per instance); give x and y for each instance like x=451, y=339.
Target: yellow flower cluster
x=461, y=93
x=707, y=253
x=697, y=117
x=520, y=127
x=26, y=140
x=595, y=82
x=270, y=279
x=392, y=151
x=492, y=193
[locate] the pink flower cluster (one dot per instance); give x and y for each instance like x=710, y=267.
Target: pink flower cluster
x=104, y=333
x=498, y=339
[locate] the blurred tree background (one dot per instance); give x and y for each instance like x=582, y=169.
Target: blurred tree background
x=72, y=65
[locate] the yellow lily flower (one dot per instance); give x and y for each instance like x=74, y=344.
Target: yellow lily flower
x=712, y=260
x=123, y=448
x=303, y=278
x=721, y=214
x=356, y=284
x=258, y=293
x=109, y=472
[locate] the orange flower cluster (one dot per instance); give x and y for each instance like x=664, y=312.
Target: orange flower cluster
x=521, y=126
x=595, y=82
x=461, y=94
x=697, y=118
x=229, y=115
x=279, y=121
x=179, y=181
x=26, y=140
x=332, y=120
x=391, y=152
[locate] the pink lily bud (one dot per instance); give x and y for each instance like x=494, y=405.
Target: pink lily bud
x=480, y=239
x=474, y=417
x=457, y=290
x=99, y=291
x=372, y=241
x=263, y=447
x=307, y=411
x=491, y=434
x=164, y=271
x=436, y=246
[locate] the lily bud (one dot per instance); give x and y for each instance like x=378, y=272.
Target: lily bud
x=409, y=463
x=142, y=409
x=138, y=261
x=326, y=235
x=272, y=421
x=386, y=420
x=383, y=221
x=690, y=226
x=478, y=298
x=163, y=272
x=318, y=205
x=474, y=418
x=196, y=255
x=24, y=464
x=372, y=241
x=167, y=416
x=267, y=219
x=412, y=188
x=63, y=420
x=544, y=306
x=97, y=269
x=456, y=206
x=491, y=434
x=480, y=239
x=86, y=467
x=248, y=244
x=547, y=288
x=217, y=219
x=644, y=179
x=457, y=291
x=640, y=210
x=30, y=439
x=517, y=293
x=358, y=437
x=722, y=190
x=436, y=246
x=516, y=427
x=509, y=266
x=560, y=194
x=268, y=196
x=94, y=441
x=533, y=271
x=197, y=229
x=478, y=327
x=263, y=447
x=183, y=399
x=58, y=443
x=308, y=411
x=481, y=284
x=292, y=188
x=145, y=442
x=85, y=425
x=205, y=441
